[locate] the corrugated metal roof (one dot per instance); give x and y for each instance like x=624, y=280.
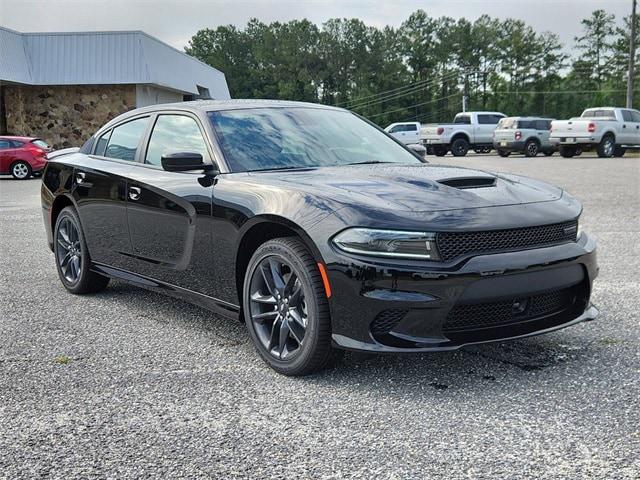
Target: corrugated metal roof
x=93, y=58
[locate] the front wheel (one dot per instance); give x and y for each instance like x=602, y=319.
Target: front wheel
x=286, y=308
x=72, y=256
x=20, y=170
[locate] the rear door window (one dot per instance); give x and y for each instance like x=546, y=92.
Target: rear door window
x=125, y=139
x=5, y=144
x=462, y=119
x=635, y=116
x=487, y=119
x=626, y=116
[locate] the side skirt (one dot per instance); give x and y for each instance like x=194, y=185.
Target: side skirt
x=220, y=307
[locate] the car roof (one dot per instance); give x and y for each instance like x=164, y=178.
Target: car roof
x=531, y=118
x=196, y=106
x=217, y=105
x=17, y=138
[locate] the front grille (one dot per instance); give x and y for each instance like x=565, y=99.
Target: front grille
x=494, y=314
x=456, y=244
x=386, y=320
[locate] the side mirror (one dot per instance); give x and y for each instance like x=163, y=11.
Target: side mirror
x=183, y=162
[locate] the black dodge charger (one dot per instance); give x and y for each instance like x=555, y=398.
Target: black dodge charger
x=317, y=229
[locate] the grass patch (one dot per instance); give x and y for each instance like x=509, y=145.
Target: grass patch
x=62, y=359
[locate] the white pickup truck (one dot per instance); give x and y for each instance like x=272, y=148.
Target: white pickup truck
x=607, y=129
x=468, y=130
x=407, y=132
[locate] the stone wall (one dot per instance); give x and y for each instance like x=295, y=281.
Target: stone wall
x=64, y=116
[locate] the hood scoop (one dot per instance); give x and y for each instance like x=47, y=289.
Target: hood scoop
x=468, y=182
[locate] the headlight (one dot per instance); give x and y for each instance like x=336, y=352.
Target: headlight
x=388, y=243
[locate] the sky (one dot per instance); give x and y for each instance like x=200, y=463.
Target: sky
x=175, y=21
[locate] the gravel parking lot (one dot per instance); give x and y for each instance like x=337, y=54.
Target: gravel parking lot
x=130, y=383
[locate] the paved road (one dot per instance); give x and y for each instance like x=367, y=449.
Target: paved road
x=129, y=383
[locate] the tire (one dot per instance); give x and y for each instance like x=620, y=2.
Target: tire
x=531, y=148
x=504, y=153
x=548, y=153
x=439, y=151
x=459, y=147
x=20, y=170
x=619, y=151
x=607, y=146
x=72, y=256
x=567, y=151
x=37, y=174
x=271, y=301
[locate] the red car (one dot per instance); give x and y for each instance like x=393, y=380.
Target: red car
x=22, y=157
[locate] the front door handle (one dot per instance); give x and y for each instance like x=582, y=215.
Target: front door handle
x=134, y=193
x=80, y=177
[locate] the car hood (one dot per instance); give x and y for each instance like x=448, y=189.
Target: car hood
x=414, y=188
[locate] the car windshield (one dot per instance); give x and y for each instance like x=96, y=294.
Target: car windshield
x=508, y=123
x=299, y=137
x=41, y=144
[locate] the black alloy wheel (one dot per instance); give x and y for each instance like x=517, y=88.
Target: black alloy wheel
x=278, y=309
x=69, y=250
x=531, y=148
x=460, y=147
x=286, y=309
x=72, y=256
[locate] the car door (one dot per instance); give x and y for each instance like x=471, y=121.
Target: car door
x=100, y=186
x=633, y=134
x=5, y=155
x=625, y=133
x=487, y=123
x=169, y=213
x=412, y=133
x=543, y=128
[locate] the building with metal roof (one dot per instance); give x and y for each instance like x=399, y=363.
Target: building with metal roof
x=59, y=86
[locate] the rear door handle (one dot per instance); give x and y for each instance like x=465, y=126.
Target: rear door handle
x=80, y=177
x=134, y=193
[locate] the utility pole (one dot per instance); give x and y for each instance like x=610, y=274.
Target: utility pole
x=632, y=56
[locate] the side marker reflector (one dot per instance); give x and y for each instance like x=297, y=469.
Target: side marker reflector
x=325, y=279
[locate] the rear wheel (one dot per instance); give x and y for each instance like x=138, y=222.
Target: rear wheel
x=21, y=170
x=567, y=151
x=72, y=257
x=607, y=146
x=286, y=309
x=531, y=148
x=504, y=153
x=459, y=147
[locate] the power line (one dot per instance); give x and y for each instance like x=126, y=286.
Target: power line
x=414, y=106
x=408, y=89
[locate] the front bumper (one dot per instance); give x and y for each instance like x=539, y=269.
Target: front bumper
x=422, y=300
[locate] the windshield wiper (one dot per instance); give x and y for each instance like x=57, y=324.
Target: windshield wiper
x=368, y=162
